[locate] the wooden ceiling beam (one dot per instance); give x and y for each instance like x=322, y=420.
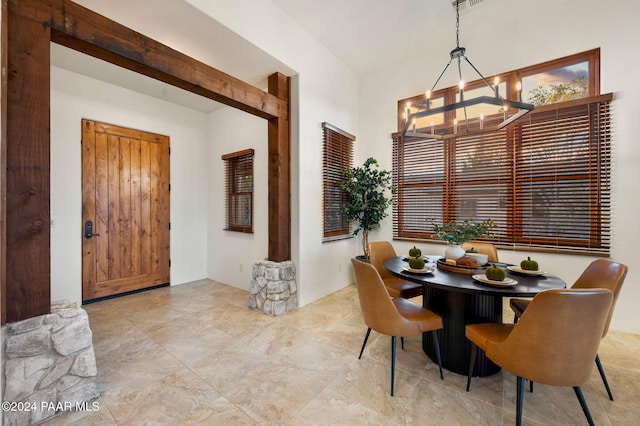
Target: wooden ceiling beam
x=88, y=32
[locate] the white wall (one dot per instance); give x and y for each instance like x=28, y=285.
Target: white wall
x=501, y=35
x=324, y=89
x=231, y=255
x=74, y=97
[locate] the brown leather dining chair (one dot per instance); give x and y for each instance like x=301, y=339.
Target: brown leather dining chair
x=482, y=248
x=554, y=342
x=392, y=317
x=600, y=273
x=379, y=251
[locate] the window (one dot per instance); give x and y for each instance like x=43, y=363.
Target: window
x=337, y=156
x=566, y=79
x=544, y=180
x=238, y=168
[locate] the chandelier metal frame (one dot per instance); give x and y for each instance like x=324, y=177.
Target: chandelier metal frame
x=458, y=54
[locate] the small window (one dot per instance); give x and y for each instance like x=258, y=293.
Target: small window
x=337, y=156
x=238, y=168
x=557, y=84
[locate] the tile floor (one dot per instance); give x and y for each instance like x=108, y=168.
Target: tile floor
x=195, y=354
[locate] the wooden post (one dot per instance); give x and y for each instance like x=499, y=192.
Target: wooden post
x=279, y=176
x=26, y=251
x=4, y=31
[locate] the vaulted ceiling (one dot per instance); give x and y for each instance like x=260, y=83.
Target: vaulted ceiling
x=368, y=34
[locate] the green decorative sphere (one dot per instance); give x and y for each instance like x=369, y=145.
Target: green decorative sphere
x=529, y=265
x=416, y=263
x=495, y=273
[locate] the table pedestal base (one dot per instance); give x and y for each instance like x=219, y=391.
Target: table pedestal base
x=457, y=310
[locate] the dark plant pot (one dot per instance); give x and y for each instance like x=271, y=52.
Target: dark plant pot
x=363, y=258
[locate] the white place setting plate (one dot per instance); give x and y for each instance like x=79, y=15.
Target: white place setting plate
x=425, y=270
x=508, y=282
x=519, y=270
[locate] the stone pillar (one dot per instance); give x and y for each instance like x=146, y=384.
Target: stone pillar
x=48, y=365
x=273, y=288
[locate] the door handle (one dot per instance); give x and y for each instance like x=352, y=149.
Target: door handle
x=88, y=230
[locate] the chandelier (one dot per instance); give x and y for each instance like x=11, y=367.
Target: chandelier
x=508, y=110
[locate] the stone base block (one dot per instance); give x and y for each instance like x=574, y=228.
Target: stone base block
x=49, y=365
x=273, y=288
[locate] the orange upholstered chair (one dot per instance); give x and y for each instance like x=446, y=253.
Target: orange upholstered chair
x=379, y=251
x=554, y=342
x=601, y=273
x=393, y=317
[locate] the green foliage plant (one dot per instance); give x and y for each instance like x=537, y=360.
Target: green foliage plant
x=466, y=230
x=367, y=201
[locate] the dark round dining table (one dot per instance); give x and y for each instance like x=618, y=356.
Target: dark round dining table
x=460, y=300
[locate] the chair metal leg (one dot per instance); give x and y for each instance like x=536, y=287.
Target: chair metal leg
x=583, y=404
x=472, y=362
x=402, y=342
x=437, y=345
x=531, y=386
x=393, y=361
x=519, y=400
x=366, y=337
x=604, y=376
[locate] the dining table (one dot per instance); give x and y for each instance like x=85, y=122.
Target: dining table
x=461, y=299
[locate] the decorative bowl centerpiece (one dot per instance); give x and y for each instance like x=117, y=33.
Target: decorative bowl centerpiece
x=481, y=258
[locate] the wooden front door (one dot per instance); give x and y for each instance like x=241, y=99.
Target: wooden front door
x=125, y=210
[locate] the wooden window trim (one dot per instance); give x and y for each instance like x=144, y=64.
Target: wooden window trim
x=510, y=144
x=337, y=147
x=242, y=158
x=591, y=118
x=510, y=78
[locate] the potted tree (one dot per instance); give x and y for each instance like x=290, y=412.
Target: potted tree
x=367, y=202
